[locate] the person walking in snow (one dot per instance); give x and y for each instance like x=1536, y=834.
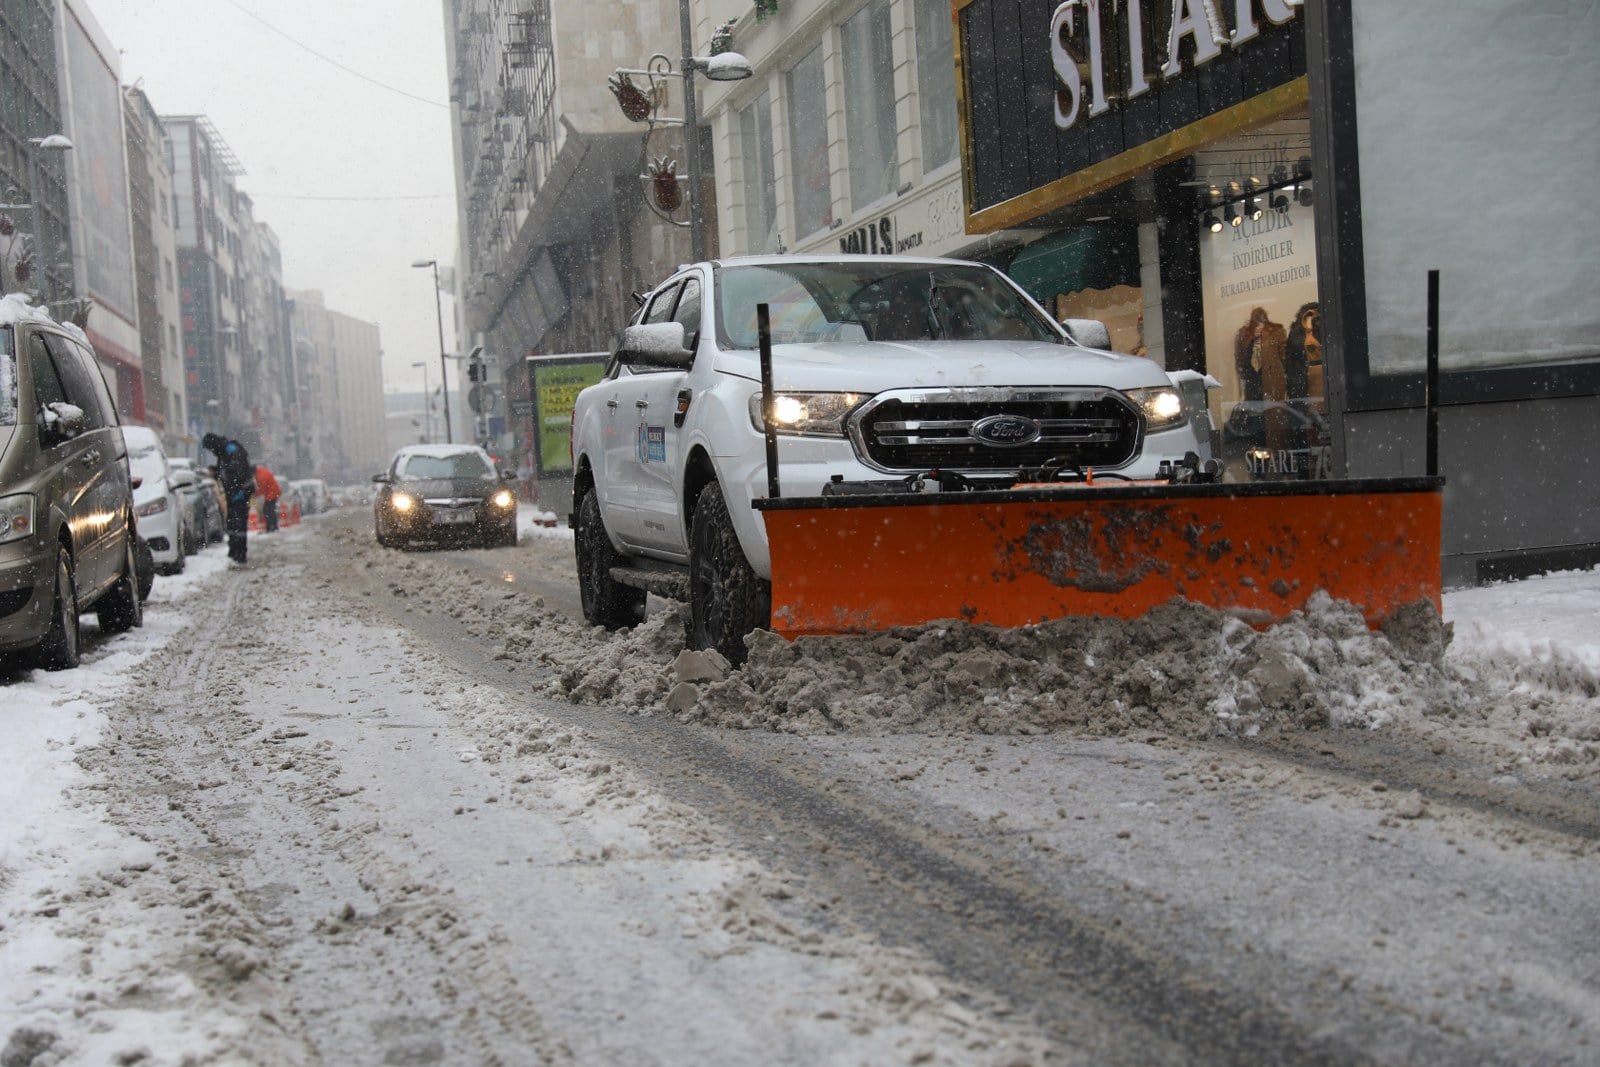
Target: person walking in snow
x=238, y=477
x=267, y=486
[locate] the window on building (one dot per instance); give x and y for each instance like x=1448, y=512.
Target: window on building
x=936, y=82
x=166, y=271
x=808, y=145
x=760, y=190
x=870, y=128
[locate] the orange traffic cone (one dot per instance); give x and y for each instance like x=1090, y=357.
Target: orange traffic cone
x=255, y=523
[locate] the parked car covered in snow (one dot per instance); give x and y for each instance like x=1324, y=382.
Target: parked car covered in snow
x=209, y=507
x=165, y=518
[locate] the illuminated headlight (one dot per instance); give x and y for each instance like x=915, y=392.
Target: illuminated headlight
x=153, y=507
x=502, y=499
x=806, y=414
x=16, y=512
x=1162, y=407
x=402, y=502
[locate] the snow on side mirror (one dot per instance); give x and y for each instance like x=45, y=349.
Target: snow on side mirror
x=658, y=344
x=63, y=419
x=1090, y=333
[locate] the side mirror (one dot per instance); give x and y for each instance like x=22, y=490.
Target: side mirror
x=183, y=479
x=657, y=344
x=1090, y=333
x=380, y=478
x=507, y=474
x=65, y=421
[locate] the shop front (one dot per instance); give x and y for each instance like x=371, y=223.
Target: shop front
x=1260, y=189
x=1165, y=150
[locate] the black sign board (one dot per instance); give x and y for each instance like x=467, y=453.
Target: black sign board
x=1064, y=98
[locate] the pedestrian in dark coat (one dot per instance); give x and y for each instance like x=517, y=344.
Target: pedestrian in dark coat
x=238, y=477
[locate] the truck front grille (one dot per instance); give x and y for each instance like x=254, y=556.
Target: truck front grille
x=911, y=430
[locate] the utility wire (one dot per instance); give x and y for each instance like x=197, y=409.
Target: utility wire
x=330, y=59
x=291, y=196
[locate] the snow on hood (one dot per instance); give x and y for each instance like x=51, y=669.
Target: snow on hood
x=874, y=366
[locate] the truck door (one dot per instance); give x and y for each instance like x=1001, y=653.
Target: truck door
x=627, y=446
x=660, y=514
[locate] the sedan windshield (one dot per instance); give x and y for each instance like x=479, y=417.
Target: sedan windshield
x=146, y=463
x=819, y=302
x=420, y=468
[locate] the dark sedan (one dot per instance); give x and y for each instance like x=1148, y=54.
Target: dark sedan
x=444, y=493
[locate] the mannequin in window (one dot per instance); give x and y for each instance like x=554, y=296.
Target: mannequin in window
x=1259, y=353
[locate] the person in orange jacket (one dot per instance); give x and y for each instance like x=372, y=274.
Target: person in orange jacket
x=267, y=486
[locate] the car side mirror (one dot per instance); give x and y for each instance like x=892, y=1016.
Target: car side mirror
x=64, y=421
x=507, y=474
x=656, y=344
x=183, y=479
x=1090, y=333
x=380, y=478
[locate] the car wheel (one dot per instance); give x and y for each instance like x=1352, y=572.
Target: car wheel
x=727, y=599
x=120, y=610
x=379, y=536
x=605, y=602
x=146, y=569
x=509, y=538
x=179, y=565
x=59, y=649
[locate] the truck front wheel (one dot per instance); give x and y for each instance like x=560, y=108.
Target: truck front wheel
x=727, y=599
x=605, y=602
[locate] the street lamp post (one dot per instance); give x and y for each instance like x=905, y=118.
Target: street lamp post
x=427, y=406
x=725, y=66
x=444, y=377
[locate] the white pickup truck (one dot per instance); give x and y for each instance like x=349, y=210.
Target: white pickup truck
x=884, y=369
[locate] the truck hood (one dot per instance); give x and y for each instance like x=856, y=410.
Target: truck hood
x=872, y=367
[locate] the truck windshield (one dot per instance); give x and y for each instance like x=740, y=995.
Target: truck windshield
x=8, y=378
x=821, y=302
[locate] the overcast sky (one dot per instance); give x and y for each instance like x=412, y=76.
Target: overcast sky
x=354, y=178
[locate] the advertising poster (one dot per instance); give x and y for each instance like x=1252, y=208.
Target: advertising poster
x=555, y=389
x=1261, y=326
x=102, y=225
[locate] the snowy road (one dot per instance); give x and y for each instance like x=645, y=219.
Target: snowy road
x=382, y=807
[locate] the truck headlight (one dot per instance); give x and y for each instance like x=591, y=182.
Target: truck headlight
x=1162, y=407
x=16, y=513
x=806, y=414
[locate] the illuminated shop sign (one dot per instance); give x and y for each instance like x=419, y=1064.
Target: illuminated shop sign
x=1064, y=98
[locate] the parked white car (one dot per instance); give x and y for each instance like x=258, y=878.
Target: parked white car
x=313, y=494
x=165, y=523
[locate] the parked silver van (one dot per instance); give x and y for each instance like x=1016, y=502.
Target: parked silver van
x=68, y=535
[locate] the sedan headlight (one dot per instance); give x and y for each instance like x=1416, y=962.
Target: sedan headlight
x=152, y=507
x=806, y=414
x=1162, y=407
x=16, y=512
x=402, y=502
x=502, y=498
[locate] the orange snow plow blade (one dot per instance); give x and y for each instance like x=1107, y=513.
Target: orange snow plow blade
x=851, y=564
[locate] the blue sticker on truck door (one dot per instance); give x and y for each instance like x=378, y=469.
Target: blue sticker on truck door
x=652, y=444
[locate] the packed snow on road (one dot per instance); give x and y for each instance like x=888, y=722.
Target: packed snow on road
x=360, y=805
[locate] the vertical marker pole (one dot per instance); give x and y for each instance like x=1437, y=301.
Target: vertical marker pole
x=1431, y=392
x=764, y=336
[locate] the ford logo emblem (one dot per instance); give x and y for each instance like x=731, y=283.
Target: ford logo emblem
x=1005, y=431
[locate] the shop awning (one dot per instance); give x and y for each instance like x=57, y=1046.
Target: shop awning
x=1093, y=255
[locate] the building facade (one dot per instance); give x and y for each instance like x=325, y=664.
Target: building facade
x=339, y=365
x=155, y=273
x=555, y=232
x=100, y=209
x=33, y=187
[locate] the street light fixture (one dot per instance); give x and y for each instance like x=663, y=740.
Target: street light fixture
x=427, y=405
x=444, y=377
x=725, y=66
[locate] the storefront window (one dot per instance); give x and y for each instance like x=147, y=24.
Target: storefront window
x=760, y=191
x=869, y=111
x=936, y=82
x=1262, y=318
x=808, y=145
